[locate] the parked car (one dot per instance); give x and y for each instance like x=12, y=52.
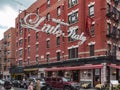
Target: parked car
x=16, y=83
x=61, y=83
x=2, y=82
x=7, y=85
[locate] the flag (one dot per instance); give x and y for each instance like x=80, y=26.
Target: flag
x=89, y=21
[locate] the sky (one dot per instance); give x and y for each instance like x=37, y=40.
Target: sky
x=9, y=10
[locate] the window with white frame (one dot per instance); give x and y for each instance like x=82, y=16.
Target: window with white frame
x=37, y=60
x=20, y=53
x=72, y=3
x=71, y=39
x=91, y=10
x=48, y=57
x=58, y=56
x=48, y=43
x=58, y=11
x=37, y=48
x=58, y=41
x=48, y=3
x=28, y=51
x=108, y=28
x=92, y=50
x=73, y=17
x=73, y=53
x=21, y=42
x=48, y=17
x=92, y=30
x=37, y=35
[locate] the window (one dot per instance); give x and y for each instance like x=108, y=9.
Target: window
x=28, y=61
x=71, y=39
x=37, y=11
x=92, y=30
x=109, y=49
x=58, y=11
x=20, y=53
x=91, y=10
x=28, y=39
x=114, y=31
x=48, y=17
x=37, y=48
x=108, y=28
x=108, y=8
x=20, y=62
x=72, y=3
x=21, y=32
x=8, y=43
x=91, y=50
x=48, y=57
x=37, y=36
x=48, y=3
x=28, y=51
x=58, y=41
x=73, y=53
x=73, y=17
x=58, y=56
x=48, y=44
x=16, y=44
x=114, y=50
x=20, y=42
x=37, y=60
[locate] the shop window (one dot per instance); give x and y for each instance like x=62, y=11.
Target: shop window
x=72, y=18
x=91, y=10
x=48, y=44
x=58, y=41
x=72, y=3
x=92, y=30
x=71, y=39
x=58, y=56
x=37, y=36
x=48, y=17
x=58, y=11
x=86, y=74
x=73, y=53
x=91, y=50
x=48, y=3
x=108, y=28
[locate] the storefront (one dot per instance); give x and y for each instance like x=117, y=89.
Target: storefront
x=86, y=73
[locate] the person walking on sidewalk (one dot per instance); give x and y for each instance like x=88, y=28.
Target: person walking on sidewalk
x=37, y=87
x=30, y=87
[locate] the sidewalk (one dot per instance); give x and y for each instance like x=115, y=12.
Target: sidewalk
x=88, y=89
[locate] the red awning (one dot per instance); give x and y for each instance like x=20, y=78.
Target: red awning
x=114, y=66
x=74, y=67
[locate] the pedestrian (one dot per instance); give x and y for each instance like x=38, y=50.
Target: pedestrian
x=30, y=87
x=37, y=87
x=2, y=88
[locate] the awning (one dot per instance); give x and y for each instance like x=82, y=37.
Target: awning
x=74, y=67
x=31, y=69
x=114, y=66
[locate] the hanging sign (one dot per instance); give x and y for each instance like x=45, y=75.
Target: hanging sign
x=47, y=28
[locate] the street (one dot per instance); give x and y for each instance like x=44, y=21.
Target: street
x=15, y=88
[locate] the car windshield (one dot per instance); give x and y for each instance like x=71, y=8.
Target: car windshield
x=65, y=79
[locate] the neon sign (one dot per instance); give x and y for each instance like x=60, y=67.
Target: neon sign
x=47, y=28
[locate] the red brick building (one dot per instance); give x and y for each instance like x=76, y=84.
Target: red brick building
x=43, y=50
x=8, y=51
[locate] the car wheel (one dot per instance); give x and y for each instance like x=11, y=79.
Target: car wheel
x=48, y=88
x=25, y=86
x=67, y=88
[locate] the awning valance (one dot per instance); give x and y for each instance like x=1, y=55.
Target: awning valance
x=114, y=66
x=74, y=67
x=31, y=69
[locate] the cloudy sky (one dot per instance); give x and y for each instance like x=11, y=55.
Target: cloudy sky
x=9, y=10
